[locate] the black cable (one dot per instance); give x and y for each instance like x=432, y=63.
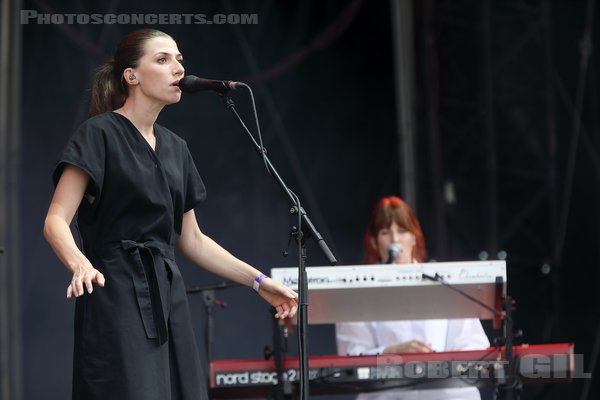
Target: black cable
x=255, y=113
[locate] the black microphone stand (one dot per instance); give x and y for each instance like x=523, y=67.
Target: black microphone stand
x=508, y=387
x=283, y=389
x=311, y=232
x=208, y=296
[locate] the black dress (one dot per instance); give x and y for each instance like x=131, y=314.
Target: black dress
x=134, y=338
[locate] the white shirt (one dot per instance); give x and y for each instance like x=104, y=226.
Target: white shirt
x=368, y=338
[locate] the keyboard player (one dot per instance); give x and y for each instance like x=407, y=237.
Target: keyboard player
x=394, y=236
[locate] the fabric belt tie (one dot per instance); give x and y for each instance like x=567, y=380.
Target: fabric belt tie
x=145, y=281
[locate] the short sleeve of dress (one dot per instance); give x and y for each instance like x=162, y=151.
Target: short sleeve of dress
x=85, y=150
x=195, y=192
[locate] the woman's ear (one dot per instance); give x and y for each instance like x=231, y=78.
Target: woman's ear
x=129, y=76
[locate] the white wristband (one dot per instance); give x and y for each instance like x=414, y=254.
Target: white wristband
x=257, y=281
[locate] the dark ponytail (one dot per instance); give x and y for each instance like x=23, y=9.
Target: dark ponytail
x=109, y=91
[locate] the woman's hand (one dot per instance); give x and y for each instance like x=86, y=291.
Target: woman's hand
x=284, y=299
x=412, y=346
x=67, y=198
x=84, y=276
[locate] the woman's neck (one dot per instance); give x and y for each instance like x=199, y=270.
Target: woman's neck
x=142, y=116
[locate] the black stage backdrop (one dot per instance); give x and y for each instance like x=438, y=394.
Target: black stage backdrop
x=323, y=76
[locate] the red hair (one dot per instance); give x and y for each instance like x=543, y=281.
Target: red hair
x=388, y=210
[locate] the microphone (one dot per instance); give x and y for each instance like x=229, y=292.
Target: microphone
x=193, y=84
x=393, y=251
